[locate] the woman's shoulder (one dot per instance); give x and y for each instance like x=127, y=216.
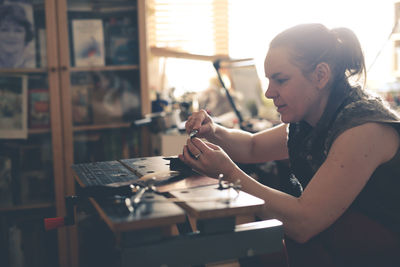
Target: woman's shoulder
x=360, y=108
x=380, y=138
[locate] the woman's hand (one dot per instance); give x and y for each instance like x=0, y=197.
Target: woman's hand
x=207, y=158
x=202, y=122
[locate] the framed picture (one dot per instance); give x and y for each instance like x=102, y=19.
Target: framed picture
x=5, y=182
x=13, y=107
x=88, y=42
x=17, y=44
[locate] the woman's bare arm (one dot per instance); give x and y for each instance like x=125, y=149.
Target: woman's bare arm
x=241, y=146
x=354, y=156
x=244, y=147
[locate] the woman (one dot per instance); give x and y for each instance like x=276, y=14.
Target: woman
x=340, y=205
x=15, y=36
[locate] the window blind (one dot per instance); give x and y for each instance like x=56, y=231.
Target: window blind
x=191, y=26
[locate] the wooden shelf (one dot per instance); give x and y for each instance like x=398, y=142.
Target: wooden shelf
x=23, y=70
x=168, y=52
x=58, y=141
x=101, y=6
x=21, y=207
x=102, y=126
x=105, y=68
x=39, y=131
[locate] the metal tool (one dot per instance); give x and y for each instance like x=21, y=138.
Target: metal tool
x=193, y=133
x=133, y=202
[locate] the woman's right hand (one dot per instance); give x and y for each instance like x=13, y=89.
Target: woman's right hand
x=202, y=122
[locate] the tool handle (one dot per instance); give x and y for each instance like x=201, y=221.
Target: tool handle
x=137, y=198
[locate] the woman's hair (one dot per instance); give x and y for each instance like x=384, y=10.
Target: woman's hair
x=311, y=44
x=16, y=13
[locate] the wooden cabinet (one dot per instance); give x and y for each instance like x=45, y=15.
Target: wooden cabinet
x=32, y=170
x=74, y=103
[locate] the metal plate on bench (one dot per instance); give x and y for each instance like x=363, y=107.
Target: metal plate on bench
x=210, y=202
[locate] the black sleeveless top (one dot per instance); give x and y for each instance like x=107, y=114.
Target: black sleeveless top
x=309, y=146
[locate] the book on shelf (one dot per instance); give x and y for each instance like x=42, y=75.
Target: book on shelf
x=15, y=246
x=6, y=197
x=81, y=90
x=13, y=107
x=121, y=41
x=40, y=37
x=19, y=51
x=88, y=42
x=42, y=48
x=39, y=108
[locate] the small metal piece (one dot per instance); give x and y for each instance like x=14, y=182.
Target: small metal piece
x=220, y=185
x=134, y=188
x=197, y=156
x=128, y=204
x=138, y=197
x=133, y=202
x=193, y=133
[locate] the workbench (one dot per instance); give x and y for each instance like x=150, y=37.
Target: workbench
x=143, y=236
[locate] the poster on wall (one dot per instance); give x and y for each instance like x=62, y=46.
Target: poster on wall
x=17, y=46
x=13, y=107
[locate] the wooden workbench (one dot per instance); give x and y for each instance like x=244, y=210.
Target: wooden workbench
x=201, y=198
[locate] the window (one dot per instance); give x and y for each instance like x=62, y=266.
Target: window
x=185, y=36
x=243, y=29
x=194, y=26
x=372, y=22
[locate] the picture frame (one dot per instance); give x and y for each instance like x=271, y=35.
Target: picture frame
x=13, y=107
x=88, y=42
x=17, y=37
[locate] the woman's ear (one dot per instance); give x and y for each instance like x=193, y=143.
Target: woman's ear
x=322, y=75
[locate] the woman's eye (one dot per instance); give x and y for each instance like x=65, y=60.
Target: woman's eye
x=281, y=81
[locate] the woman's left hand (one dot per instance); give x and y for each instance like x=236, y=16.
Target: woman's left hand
x=207, y=158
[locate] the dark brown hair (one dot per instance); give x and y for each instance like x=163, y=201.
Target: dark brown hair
x=311, y=44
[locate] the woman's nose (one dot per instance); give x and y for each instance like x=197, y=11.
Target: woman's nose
x=270, y=92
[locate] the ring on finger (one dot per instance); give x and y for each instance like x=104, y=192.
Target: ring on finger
x=197, y=156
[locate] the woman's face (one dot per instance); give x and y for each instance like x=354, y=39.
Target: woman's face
x=295, y=96
x=12, y=37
